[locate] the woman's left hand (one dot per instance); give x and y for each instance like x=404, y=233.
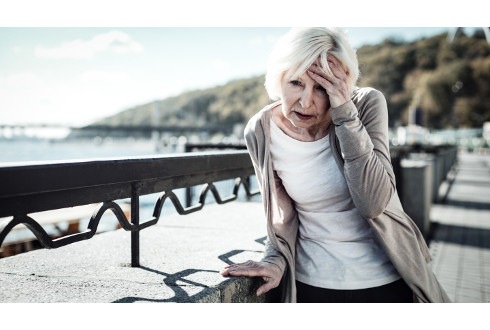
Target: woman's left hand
x=337, y=85
x=270, y=273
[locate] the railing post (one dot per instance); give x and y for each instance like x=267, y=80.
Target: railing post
x=188, y=191
x=248, y=182
x=188, y=196
x=135, y=221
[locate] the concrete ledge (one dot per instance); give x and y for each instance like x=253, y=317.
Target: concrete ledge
x=180, y=260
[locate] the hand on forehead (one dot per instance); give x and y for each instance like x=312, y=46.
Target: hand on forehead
x=333, y=63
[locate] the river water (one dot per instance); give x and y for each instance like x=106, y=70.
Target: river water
x=42, y=150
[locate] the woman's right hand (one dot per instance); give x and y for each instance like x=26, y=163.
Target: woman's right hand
x=270, y=273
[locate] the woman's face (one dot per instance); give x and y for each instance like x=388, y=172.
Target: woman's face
x=305, y=103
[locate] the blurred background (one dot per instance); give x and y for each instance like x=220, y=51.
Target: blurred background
x=77, y=92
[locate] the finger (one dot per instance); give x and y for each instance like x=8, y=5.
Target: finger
x=266, y=287
x=335, y=76
x=331, y=75
x=248, y=268
x=224, y=272
x=337, y=67
x=340, y=73
x=246, y=271
x=317, y=69
x=236, y=265
x=325, y=81
x=262, y=289
x=334, y=60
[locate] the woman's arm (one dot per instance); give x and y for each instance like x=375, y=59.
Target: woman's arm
x=364, y=142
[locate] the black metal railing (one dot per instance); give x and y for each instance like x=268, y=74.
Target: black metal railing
x=195, y=147
x=34, y=187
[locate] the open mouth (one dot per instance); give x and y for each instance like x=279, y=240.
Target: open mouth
x=302, y=116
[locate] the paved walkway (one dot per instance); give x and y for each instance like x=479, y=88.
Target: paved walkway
x=461, y=241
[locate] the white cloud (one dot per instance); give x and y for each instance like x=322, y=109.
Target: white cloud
x=113, y=41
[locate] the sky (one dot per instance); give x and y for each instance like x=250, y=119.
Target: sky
x=69, y=72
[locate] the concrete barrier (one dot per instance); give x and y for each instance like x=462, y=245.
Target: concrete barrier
x=437, y=171
x=180, y=261
x=417, y=185
x=442, y=158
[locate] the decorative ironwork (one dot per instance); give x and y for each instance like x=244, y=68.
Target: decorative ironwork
x=202, y=198
x=49, y=243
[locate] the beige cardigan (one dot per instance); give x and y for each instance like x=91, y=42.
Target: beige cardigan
x=361, y=148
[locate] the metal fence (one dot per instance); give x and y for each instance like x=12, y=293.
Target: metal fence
x=34, y=187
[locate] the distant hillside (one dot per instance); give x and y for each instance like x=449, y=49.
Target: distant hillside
x=225, y=105
x=450, y=82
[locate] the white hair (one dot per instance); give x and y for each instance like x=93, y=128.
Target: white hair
x=299, y=48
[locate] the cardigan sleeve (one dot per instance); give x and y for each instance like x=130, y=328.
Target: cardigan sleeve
x=361, y=126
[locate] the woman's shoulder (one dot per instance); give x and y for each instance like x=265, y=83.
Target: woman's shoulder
x=369, y=100
x=258, y=118
x=257, y=128
x=366, y=93
x=370, y=103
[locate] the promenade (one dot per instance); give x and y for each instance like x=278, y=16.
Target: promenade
x=182, y=255
x=460, y=243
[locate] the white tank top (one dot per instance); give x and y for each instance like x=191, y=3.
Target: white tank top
x=336, y=248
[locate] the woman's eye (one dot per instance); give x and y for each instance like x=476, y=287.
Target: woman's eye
x=295, y=82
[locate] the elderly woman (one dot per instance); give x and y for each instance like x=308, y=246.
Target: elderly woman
x=336, y=228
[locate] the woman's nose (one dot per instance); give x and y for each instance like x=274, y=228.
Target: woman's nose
x=306, y=98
